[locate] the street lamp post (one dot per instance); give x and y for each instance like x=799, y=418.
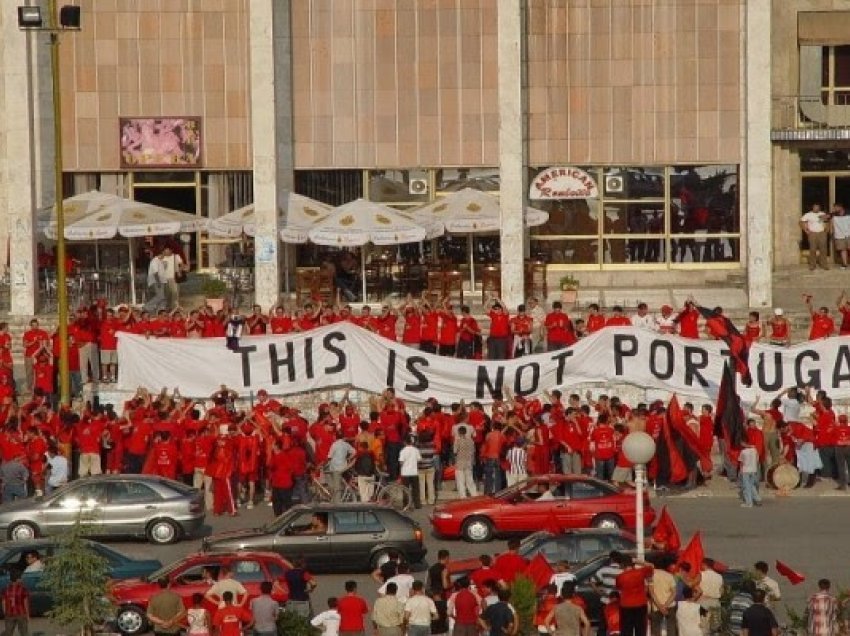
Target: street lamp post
x=68, y=19
x=639, y=448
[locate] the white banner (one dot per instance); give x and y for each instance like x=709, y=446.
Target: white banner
x=345, y=355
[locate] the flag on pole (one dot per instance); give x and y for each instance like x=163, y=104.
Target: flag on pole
x=722, y=328
x=792, y=575
x=691, y=438
x=693, y=553
x=728, y=415
x=539, y=571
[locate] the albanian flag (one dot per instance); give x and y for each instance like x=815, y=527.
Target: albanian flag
x=792, y=575
x=728, y=415
x=678, y=469
x=666, y=533
x=693, y=553
x=691, y=438
x=720, y=327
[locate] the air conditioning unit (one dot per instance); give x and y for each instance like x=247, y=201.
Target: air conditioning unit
x=418, y=186
x=614, y=184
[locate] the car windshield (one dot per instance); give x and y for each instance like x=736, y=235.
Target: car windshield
x=528, y=546
x=275, y=525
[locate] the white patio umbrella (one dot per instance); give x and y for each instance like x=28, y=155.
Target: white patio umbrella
x=360, y=222
x=295, y=217
x=471, y=212
x=95, y=215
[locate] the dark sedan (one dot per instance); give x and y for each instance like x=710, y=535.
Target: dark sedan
x=13, y=557
x=357, y=536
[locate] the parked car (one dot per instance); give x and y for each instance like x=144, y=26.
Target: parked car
x=592, y=591
x=13, y=557
x=359, y=536
x=543, y=501
x=573, y=546
x=158, y=509
x=186, y=578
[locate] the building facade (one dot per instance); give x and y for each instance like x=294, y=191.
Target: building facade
x=704, y=126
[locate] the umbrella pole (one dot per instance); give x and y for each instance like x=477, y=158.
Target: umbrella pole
x=363, y=270
x=132, y=272
x=470, y=247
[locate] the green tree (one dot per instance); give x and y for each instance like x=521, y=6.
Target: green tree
x=524, y=600
x=76, y=577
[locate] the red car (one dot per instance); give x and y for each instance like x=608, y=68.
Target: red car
x=187, y=577
x=544, y=502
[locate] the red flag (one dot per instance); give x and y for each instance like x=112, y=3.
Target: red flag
x=693, y=553
x=539, y=571
x=722, y=328
x=678, y=470
x=677, y=421
x=792, y=575
x=666, y=533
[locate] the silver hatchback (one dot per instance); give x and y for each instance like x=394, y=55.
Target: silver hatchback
x=158, y=509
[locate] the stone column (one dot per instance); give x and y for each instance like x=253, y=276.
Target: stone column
x=757, y=200
x=16, y=163
x=512, y=146
x=271, y=134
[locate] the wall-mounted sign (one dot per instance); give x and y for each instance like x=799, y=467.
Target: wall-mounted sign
x=173, y=142
x=563, y=183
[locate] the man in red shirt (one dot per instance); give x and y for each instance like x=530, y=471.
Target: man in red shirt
x=429, y=335
x=447, y=338
x=688, y=320
x=468, y=333
x=822, y=325
x=352, y=610
x=467, y=607
x=498, y=342
x=411, y=330
x=618, y=318
x=491, y=454
x=32, y=341
x=87, y=436
x=603, y=445
x=521, y=326
x=510, y=564
x=109, y=347
x=16, y=604
x=595, y=319
x=231, y=619
x=631, y=584
x=385, y=323
x=559, y=329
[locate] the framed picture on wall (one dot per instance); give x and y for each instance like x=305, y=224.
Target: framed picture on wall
x=160, y=142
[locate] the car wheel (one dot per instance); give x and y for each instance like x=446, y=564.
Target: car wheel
x=613, y=522
x=130, y=620
x=22, y=531
x=477, y=529
x=378, y=559
x=163, y=531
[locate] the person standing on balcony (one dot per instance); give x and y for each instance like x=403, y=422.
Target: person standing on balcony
x=815, y=223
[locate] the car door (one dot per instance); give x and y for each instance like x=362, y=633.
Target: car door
x=85, y=501
x=353, y=535
x=131, y=505
x=291, y=540
x=524, y=511
x=586, y=502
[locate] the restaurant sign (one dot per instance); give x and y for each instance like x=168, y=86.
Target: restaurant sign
x=563, y=183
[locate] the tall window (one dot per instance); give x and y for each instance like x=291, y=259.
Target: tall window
x=835, y=75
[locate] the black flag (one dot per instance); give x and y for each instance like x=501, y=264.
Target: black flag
x=728, y=416
x=722, y=328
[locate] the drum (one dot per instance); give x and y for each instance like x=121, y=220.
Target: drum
x=783, y=476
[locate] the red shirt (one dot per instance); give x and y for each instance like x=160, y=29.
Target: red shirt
x=594, y=322
x=87, y=436
x=500, y=324
x=632, y=586
x=509, y=565
x=605, y=446
x=844, y=329
x=618, y=321
x=688, y=325
x=412, y=328
x=779, y=330
x=352, y=609
x=386, y=326
x=468, y=328
x=466, y=607
x=822, y=327
x=521, y=325
x=32, y=340
x=448, y=328
x=229, y=620
x=559, y=328
x=430, y=326
x=108, y=329
x=280, y=324
x=15, y=599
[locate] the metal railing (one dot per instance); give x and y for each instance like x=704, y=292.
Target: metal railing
x=802, y=113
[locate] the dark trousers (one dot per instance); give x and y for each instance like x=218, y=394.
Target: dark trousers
x=633, y=621
x=827, y=457
x=657, y=619
x=393, y=451
x=842, y=458
x=413, y=484
x=281, y=500
x=498, y=347
x=135, y=463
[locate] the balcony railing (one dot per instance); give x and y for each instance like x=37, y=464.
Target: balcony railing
x=807, y=118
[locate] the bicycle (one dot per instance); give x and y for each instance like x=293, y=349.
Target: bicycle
x=383, y=492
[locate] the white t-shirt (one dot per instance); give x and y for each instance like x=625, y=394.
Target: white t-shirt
x=814, y=221
x=647, y=321
x=409, y=459
x=421, y=609
x=58, y=470
x=687, y=618
x=403, y=584
x=559, y=578
x=791, y=410
x=749, y=459
x=711, y=584
x=328, y=621
x=841, y=226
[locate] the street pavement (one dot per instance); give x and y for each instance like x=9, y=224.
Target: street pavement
x=809, y=533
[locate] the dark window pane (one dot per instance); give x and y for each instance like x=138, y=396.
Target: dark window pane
x=566, y=251
x=633, y=183
x=842, y=66
x=824, y=67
